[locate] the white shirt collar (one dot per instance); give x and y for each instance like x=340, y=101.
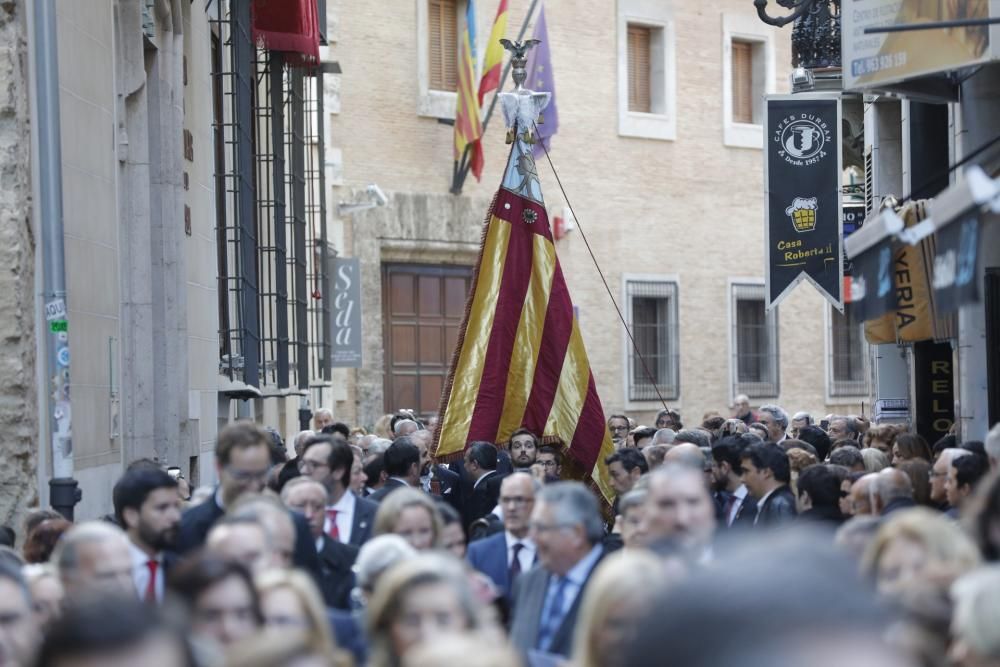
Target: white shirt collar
x=741, y=492
x=525, y=541
x=140, y=557
x=345, y=504
x=488, y=473
x=579, y=572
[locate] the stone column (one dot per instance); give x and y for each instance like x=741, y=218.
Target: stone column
x=18, y=396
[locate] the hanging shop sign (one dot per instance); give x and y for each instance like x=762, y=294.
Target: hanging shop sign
x=870, y=250
x=802, y=184
x=346, y=313
x=959, y=214
x=874, y=59
x=956, y=265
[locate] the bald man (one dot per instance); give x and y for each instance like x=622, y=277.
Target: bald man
x=861, y=503
x=939, y=474
x=891, y=491
x=685, y=454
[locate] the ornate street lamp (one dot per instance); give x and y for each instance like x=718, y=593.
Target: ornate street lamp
x=816, y=33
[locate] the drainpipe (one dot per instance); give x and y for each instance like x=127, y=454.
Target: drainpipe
x=64, y=493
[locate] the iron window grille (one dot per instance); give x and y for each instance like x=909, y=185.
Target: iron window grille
x=848, y=351
x=270, y=208
x=652, y=309
x=754, y=343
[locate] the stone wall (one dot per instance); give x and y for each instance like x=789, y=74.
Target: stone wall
x=18, y=398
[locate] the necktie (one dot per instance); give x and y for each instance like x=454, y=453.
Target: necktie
x=150, y=595
x=334, y=532
x=552, y=616
x=515, y=563
x=729, y=507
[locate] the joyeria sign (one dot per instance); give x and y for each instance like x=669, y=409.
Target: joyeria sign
x=802, y=175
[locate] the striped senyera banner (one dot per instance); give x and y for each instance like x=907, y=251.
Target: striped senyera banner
x=520, y=359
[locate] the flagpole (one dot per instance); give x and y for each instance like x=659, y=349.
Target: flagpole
x=461, y=167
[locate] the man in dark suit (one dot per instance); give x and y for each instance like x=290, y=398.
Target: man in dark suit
x=505, y=555
x=308, y=497
x=402, y=464
x=148, y=507
x=242, y=459
x=766, y=473
x=480, y=498
x=348, y=519
x=736, y=507
x=567, y=529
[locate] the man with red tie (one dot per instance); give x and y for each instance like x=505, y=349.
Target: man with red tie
x=148, y=507
x=349, y=519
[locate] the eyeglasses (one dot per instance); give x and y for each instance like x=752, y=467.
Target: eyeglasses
x=618, y=428
x=305, y=465
x=548, y=464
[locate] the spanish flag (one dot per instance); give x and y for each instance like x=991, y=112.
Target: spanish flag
x=468, y=129
x=493, y=60
x=519, y=360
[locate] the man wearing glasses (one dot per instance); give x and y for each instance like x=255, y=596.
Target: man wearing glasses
x=504, y=556
x=567, y=530
x=242, y=460
x=619, y=427
x=349, y=519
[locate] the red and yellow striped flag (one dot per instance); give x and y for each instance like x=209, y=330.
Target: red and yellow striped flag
x=468, y=128
x=493, y=61
x=520, y=359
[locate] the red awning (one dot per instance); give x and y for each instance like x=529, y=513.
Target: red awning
x=288, y=25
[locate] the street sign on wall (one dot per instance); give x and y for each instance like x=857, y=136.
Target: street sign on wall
x=345, y=311
x=802, y=185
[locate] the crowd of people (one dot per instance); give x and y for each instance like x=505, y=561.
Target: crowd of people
x=754, y=539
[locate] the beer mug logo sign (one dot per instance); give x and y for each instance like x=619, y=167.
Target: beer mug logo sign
x=803, y=139
x=803, y=213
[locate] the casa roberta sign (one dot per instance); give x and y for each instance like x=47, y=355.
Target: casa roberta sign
x=802, y=184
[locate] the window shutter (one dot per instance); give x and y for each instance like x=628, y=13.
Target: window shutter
x=442, y=44
x=742, y=84
x=638, y=69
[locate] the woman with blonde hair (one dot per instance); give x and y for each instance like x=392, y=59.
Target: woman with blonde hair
x=417, y=602
x=382, y=428
x=289, y=600
x=881, y=437
x=412, y=515
x=875, y=460
x=918, y=547
x=976, y=619
x=618, y=596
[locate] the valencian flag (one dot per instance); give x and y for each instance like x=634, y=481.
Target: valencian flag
x=519, y=359
x=493, y=60
x=468, y=129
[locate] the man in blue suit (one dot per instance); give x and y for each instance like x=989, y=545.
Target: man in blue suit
x=503, y=556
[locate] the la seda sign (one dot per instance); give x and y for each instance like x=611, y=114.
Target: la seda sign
x=346, y=314
x=802, y=185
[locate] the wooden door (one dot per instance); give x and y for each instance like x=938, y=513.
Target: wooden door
x=422, y=312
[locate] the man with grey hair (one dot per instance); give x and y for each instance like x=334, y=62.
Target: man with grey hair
x=939, y=475
x=567, y=530
x=665, y=436
x=992, y=446
x=322, y=418
x=891, y=491
x=18, y=628
x=799, y=421
x=93, y=555
x=629, y=521
x=694, y=436
x=775, y=420
x=405, y=427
